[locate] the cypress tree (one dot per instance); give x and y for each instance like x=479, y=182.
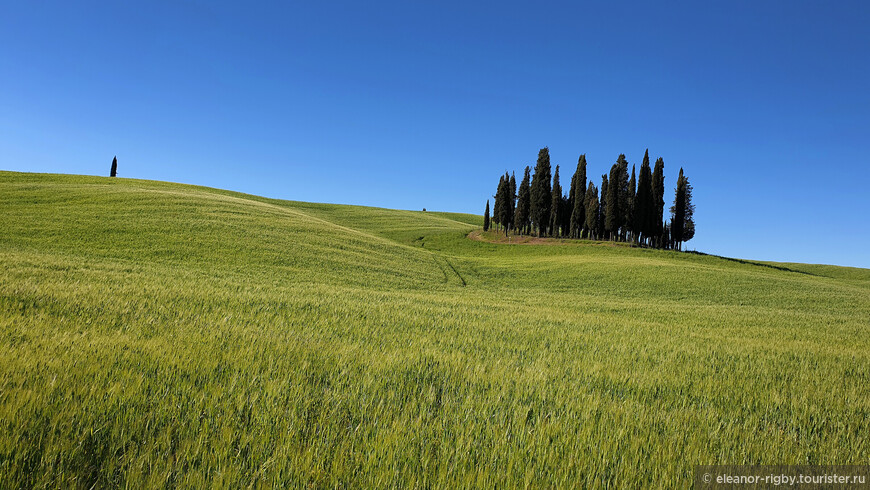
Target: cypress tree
x=666, y=236
x=486, y=217
x=496, y=207
x=506, y=210
x=629, y=205
x=590, y=202
x=510, y=185
x=512, y=199
x=578, y=198
x=521, y=218
x=602, y=208
x=612, y=212
x=644, y=214
x=658, y=189
x=556, y=205
x=689, y=221
x=565, y=214
x=540, y=192
x=114, y=171
x=622, y=190
x=678, y=212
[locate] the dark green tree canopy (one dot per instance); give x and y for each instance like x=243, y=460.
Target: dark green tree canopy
x=521, y=217
x=578, y=198
x=627, y=207
x=486, y=217
x=590, y=201
x=658, y=187
x=644, y=212
x=541, y=193
x=556, y=205
x=496, y=207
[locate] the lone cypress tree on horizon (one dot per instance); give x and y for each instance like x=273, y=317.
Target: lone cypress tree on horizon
x=486, y=217
x=541, y=193
x=114, y=171
x=521, y=217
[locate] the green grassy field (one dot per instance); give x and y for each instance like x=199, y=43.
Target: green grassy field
x=156, y=334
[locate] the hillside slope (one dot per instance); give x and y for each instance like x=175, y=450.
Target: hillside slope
x=155, y=333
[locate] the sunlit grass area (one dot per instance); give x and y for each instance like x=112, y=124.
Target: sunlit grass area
x=156, y=334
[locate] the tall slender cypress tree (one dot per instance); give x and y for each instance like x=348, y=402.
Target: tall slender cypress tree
x=678, y=212
x=496, y=207
x=644, y=213
x=114, y=171
x=556, y=205
x=578, y=198
x=510, y=186
x=612, y=214
x=521, y=218
x=513, y=196
x=541, y=193
x=622, y=190
x=590, y=202
x=505, y=212
x=602, y=208
x=658, y=188
x=486, y=217
x=629, y=206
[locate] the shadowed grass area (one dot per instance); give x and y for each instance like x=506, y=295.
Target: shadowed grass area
x=156, y=334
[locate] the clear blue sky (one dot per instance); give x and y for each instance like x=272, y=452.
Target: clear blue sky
x=766, y=105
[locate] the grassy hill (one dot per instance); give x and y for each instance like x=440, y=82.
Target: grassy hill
x=156, y=334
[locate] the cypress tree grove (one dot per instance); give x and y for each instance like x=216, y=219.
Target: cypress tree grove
x=114, y=171
x=541, y=195
x=590, y=201
x=556, y=205
x=658, y=188
x=624, y=208
x=486, y=217
x=521, y=218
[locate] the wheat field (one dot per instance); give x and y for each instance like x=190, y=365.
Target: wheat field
x=156, y=334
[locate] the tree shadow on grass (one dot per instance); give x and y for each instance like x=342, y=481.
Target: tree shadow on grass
x=759, y=264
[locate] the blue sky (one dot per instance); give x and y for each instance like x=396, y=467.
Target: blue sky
x=424, y=104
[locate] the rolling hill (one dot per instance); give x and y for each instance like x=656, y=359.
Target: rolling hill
x=156, y=334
